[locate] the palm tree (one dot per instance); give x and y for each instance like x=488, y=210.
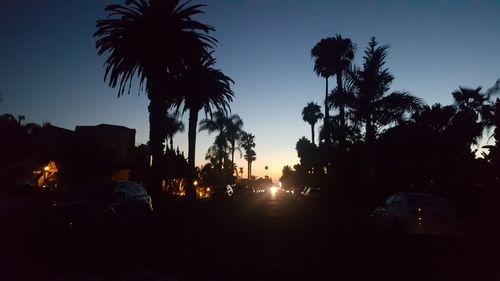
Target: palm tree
x=20, y=119
x=333, y=56
x=351, y=131
x=241, y=172
x=217, y=123
x=216, y=156
x=229, y=129
x=172, y=126
x=149, y=42
x=206, y=88
x=474, y=109
x=371, y=102
x=250, y=156
x=311, y=114
x=467, y=99
x=248, y=143
x=266, y=168
x=234, y=128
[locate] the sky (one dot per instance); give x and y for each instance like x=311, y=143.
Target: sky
x=50, y=70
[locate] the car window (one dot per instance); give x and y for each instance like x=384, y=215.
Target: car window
x=427, y=200
x=390, y=200
x=132, y=189
x=397, y=200
x=123, y=188
x=140, y=189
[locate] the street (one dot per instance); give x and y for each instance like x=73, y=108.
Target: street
x=261, y=237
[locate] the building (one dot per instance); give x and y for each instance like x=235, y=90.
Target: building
x=112, y=144
x=111, y=147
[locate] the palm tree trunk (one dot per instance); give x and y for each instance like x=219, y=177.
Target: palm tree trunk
x=327, y=115
x=340, y=89
x=193, y=121
x=249, y=170
x=157, y=108
x=232, y=159
x=312, y=133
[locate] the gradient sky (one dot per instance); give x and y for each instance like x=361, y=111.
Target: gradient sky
x=50, y=70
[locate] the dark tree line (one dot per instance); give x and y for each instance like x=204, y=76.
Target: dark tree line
x=375, y=141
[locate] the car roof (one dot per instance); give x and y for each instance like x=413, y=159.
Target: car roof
x=424, y=196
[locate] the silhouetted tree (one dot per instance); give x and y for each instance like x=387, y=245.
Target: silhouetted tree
x=307, y=152
x=287, y=177
x=205, y=88
x=234, y=129
x=372, y=104
x=248, y=144
x=172, y=126
x=151, y=41
x=311, y=114
x=216, y=123
x=333, y=55
x=473, y=107
x=20, y=119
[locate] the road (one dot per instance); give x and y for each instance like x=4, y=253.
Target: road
x=256, y=238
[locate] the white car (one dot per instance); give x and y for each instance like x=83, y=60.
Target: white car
x=418, y=213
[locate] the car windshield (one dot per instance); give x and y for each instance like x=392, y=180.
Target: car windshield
x=93, y=192
x=427, y=200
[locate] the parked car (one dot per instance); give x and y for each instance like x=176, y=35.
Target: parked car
x=100, y=206
x=221, y=192
x=418, y=213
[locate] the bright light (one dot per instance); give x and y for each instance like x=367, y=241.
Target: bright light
x=208, y=189
x=46, y=168
x=195, y=183
x=273, y=190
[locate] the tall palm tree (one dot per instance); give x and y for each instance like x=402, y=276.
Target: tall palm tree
x=371, y=102
x=234, y=128
x=217, y=123
x=333, y=56
x=311, y=114
x=172, y=126
x=148, y=41
x=216, y=156
x=229, y=129
x=205, y=88
x=248, y=144
x=250, y=156
x=214, y=123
